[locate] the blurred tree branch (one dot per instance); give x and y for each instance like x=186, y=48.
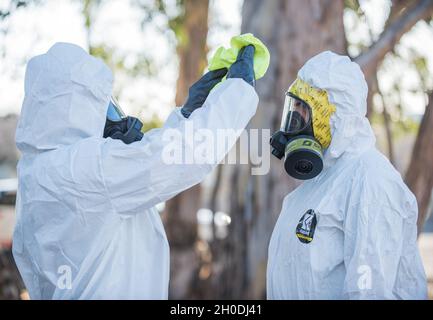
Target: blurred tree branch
x=397, y=9
x=15, y=5
x=374, y=84
x=370, y=59
x=386, y=121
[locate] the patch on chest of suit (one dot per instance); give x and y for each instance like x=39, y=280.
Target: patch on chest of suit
x=306, y=226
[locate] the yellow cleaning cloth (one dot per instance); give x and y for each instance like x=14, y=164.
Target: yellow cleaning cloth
x=224, y=58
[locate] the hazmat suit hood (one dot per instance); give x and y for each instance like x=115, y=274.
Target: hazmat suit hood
x=347, y=89
x=66, y=97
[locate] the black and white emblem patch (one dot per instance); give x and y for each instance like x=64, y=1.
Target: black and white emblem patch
x=306, y=226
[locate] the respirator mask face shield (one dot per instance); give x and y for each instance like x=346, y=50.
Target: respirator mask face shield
x=119, y=126
x=114, y=111
x=295, y=141
x=296, y=115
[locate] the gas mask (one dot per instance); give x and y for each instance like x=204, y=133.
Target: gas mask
x=295, y=141
x=122, y=127
x=305, y=130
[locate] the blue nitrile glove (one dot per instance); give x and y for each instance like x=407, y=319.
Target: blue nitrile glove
x=244, y=66
x=200, y=90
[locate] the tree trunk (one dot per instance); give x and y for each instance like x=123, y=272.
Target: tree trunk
x=294, y=31
x=180, y=213
x=419, y=176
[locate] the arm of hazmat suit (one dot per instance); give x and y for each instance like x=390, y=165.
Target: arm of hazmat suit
x=179, y=155
x=374, y=248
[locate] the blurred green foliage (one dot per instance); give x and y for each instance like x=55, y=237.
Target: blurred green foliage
x=173, y=11
x=399, y=127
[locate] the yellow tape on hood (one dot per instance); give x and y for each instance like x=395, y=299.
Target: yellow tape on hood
x=321, y=108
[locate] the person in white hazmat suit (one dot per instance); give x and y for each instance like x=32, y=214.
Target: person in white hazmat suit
x=349, y=231
x=86, y=225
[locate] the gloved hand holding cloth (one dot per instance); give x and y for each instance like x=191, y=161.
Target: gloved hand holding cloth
x=247, y=59
x=243, y=68
x=227, y=58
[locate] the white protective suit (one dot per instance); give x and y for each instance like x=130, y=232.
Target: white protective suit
x=87, y=227
x=364, y=245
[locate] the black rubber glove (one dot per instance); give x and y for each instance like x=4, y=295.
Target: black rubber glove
x=244, y=66
x=199, y=91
